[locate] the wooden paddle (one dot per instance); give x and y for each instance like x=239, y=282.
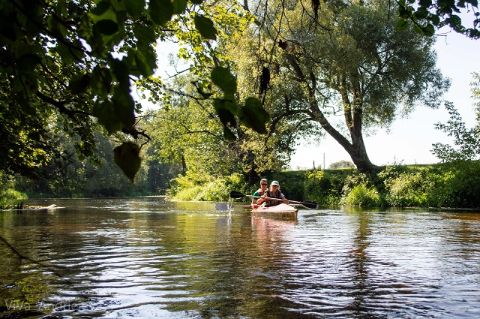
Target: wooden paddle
x=307, y=204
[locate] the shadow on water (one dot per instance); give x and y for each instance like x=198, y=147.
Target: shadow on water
x=146, y=258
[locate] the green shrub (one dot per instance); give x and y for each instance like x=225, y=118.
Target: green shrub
x=205, y=188
x=10, y=198
x=454, y=184
x=325, y=187
x=458, y=185
x=407, y=189
x=362, y=196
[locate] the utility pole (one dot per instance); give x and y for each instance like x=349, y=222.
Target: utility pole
x=324, y=161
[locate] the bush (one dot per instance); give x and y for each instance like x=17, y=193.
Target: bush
x=458, y=185
x=407, y=189
x=199, y=187
x=10, y=198
x=455, y=184
x=362, y=196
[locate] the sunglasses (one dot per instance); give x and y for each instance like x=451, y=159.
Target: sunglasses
x=264, y=184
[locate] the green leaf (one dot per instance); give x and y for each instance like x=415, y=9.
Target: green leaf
x=455, y=21
x=435, y=19
x=254, y=115
x=225, y=80
x=428, y=30
x=421, y=13
x=225, y=110
x=105, y=112
x=144, y=34
x=135, y=7
x=161, y=11
x=127, y=157
x=205, y=26
x=101, y=7
x=106, y=26
x=79, y=84
x=122, y=72
x=402, y=24
x=179, y=6
x=124, y=107
x=101, y=80
x=142, y=61
x=197, y=1
x=228, y=134
x=27, y=62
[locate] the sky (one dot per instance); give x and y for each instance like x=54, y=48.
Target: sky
x=409, y=140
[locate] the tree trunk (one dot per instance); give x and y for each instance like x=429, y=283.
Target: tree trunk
x=359, y=156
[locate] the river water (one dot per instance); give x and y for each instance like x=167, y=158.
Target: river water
x=146, y=258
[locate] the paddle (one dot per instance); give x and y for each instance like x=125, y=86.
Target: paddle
x=308, y=204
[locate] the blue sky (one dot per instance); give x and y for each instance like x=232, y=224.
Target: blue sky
x=409, y=140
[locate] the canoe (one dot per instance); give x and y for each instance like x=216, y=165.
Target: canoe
x=283, y=211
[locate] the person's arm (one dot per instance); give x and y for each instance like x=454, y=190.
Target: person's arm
x=284, y=200
x=262, y=199
x=253, y=198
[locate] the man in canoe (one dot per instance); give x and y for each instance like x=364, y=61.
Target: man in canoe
x=273, y=196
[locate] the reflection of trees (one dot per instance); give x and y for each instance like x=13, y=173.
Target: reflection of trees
x=234, y=268
x=360, y=261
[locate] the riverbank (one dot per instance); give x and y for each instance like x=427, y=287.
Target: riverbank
x=453, y=185
x=447, y=186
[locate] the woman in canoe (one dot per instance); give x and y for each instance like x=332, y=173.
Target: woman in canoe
x=260, y=192
x=273, y=196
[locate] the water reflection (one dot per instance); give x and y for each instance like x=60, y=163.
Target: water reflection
x=147, y=258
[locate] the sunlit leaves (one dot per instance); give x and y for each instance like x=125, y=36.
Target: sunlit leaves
x=205, y=26
x=127, y=157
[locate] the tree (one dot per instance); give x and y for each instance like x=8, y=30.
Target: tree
x=349, y=61
x=185, y=131
x=74, y=62
x=341, y=164
x=466, y=140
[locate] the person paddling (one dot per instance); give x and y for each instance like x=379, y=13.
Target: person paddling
x=260, y=192
x=273, y=192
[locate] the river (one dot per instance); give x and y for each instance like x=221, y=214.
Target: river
x=145, y=258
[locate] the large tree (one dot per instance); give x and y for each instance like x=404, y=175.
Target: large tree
x=342, y=61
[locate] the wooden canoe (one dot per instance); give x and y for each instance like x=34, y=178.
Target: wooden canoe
x=282, y=211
